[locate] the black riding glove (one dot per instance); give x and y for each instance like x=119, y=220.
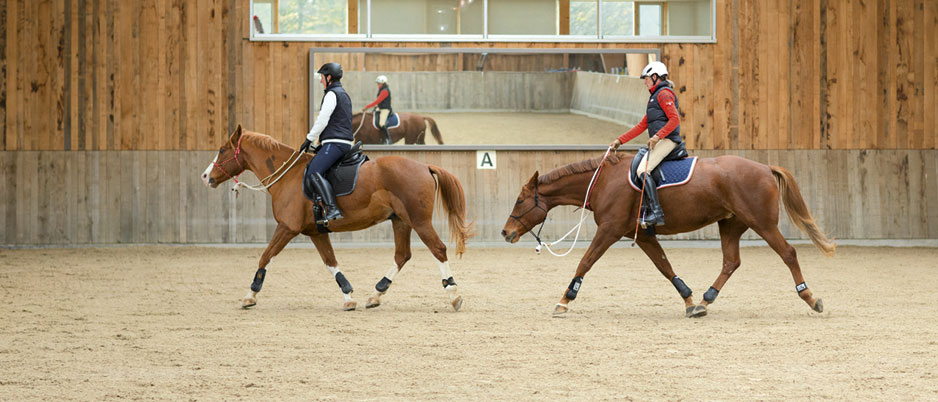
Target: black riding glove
x=305, y=146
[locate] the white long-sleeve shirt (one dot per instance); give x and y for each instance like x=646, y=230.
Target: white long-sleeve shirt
x=325, y=113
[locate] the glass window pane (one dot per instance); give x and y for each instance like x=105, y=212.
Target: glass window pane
x=264, y=21
x=689, y=18
x=312, y=17
x=583, y=17
x=618, y=18
x=423, y=17
x=523, y=17
x=649, y=20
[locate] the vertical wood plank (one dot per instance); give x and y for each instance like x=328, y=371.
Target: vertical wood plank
x=12, y=94
x=5, y=20
x=930, y=80
x=8, y=198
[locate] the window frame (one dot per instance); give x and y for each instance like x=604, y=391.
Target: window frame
x=485, y=37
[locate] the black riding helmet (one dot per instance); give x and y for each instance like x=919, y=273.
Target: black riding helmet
x=331, y=69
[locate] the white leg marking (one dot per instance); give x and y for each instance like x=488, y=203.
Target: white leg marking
x=445, y=273
x=392, y=272
x=333, y=270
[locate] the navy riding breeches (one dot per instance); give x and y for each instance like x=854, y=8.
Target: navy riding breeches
x=328, y=155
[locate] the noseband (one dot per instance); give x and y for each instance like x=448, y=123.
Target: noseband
x=235, y=157
x=537, y=205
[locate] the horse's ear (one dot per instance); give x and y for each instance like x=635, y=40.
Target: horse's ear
x=533, y=180
x=237, y=132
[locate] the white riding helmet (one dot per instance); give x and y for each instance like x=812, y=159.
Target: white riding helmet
x=381, y=79
x=655, y=67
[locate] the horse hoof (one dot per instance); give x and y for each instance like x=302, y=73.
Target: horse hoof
x=560, y=310
x=818, y=306
x=249, y=301
x=457, y=303
x=373, y=302
x=350, y=306
x=696, y=311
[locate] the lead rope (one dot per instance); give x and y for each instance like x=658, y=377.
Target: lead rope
x=582, y=216
x=264, y=187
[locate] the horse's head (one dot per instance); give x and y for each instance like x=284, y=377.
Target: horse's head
x=530, y=209
x=229, y=162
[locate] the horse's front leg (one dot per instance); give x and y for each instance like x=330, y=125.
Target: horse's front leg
x=282, y=236
x=606, y=235
x=651, y=247
x=324, y=247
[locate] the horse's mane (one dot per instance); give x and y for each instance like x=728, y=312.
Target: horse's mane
x=263, y=141
x=588, y=165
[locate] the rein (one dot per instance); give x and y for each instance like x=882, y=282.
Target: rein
x=360, y=124
x=262, y=186
x=578, y=226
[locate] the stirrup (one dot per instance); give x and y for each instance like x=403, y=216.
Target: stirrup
x=329, y=216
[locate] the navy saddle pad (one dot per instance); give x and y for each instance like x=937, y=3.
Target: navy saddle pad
x=393, y=120
x=342, y=175
x=668, y=173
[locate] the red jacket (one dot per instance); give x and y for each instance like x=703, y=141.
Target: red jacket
x=666, y=100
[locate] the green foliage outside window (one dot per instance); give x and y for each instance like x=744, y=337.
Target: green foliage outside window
x=313, y=16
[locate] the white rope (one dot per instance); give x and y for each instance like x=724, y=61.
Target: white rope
x=360, y=124
x=264, y=187
x=582, y=216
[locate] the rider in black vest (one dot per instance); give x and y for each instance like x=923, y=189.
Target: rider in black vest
x=662, y=119
x=384, y=107
x=333, y=129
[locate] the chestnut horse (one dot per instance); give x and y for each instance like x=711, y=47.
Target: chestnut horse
x=389, y=188
x=736, y=193
x=413, y=129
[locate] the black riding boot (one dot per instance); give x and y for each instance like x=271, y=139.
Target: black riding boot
x=387, y=135
x=324, y=188
x=654, y=216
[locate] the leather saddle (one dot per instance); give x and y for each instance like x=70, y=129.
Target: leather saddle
x=678, y=153
x=343, y=175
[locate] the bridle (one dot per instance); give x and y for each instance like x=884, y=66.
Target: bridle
x=537, y=205
x=237, y=152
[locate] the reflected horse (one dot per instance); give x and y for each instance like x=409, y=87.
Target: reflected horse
x=412, y=130
x=736, y=193
x=390, y=188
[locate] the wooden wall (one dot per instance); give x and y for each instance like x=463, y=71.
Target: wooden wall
x=176, y=75
x=57, y=197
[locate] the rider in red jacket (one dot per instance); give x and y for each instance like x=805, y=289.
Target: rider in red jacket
x=662, y=119
x=384, y=107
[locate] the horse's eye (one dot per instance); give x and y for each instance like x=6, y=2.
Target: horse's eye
x=221, y=150
x=519, y=202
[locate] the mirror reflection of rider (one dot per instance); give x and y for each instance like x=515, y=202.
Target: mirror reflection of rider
x=333, y=129
x=384, y=107
x=663, y=122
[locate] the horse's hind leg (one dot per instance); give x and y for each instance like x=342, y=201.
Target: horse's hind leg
x=655, y=253
x=282, y=236
x=401, y=256
x=438, y=249
x=324, y=247
x=778, y=243
x=731, y=229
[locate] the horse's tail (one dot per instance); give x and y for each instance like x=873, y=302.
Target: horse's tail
x=454, y=202
x=435, y=131
x=798, y=211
